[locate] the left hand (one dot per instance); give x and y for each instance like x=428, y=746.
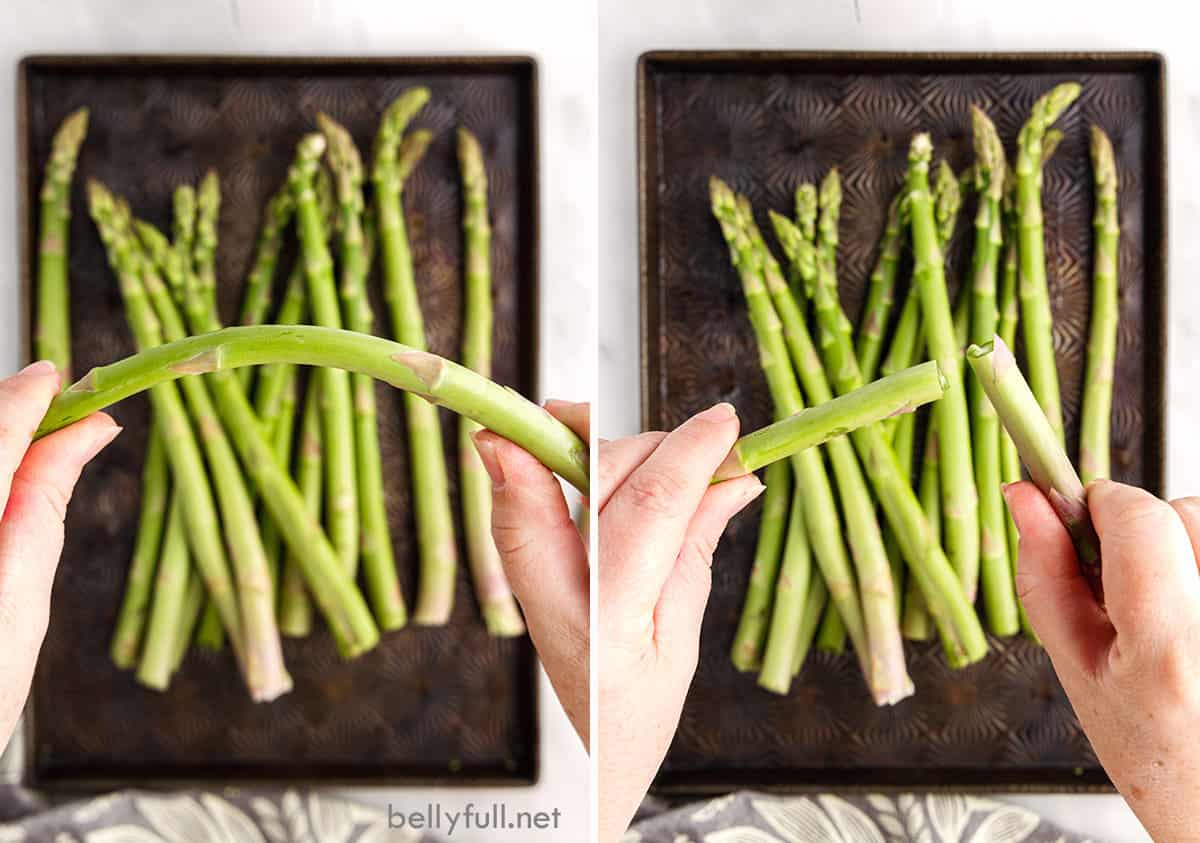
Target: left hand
x=36, y=482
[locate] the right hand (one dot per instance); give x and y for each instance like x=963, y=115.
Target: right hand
x=1131, y=668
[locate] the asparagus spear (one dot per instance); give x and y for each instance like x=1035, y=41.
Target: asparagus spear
x=496, y=601
x=876, y=586
x=53, y=339
x=376, y=545
x=1096, y=414
x=1037, y=442
x=959, y=627
x=282, y=432
x=170, y=591
x=880, y=293
x=960, y=508
x=999, y=595
x=341, y=484
x=151, y=311
x=183, y=452
x=459, y=389
x=831, y=637
x=1037, y=318
x=204, y=247
x=814, y=607
x=295, y=607
x=915, y=625
x=829, y=201
x=791, y=596
x=135, y=605
x=820, y=509
x=435, y=525
x=189, y=614
x=257, y=298
x=751, y=633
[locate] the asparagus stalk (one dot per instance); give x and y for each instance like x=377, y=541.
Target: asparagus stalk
x=170, y=591
x=916, y=622
x=341, y=484
x=831, y=637
x=189, y=614
x=434, y=378
x=1010, y=462
x=960, y=508
x=1037, y=443
x=383, y=584
x=814, y=607
x=295, y=607
x=135, y=605
x=496, y=601
x=881, y=292
x=877, y=589
x=829, y=201
x=53, y=339
x=751, y=633
x=1037, y=318
x=1096, y=415
x=957, y=623
x=435, y=525
x=151, y=311
x=820, y=509
x=999, y=595
x=791, y=597
x=257, y=298
x=807, y=428
x=282, y=433
x=204, y=248
x=183, y=451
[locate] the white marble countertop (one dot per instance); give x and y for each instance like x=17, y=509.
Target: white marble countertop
x=563, y=40
x=630, y=27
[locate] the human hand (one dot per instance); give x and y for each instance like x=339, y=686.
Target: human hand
x=1132, y=668
x=659, y=523
x=36, y=481
x=545, y=558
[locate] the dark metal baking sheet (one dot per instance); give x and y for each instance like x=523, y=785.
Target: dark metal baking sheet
x=450, y=705
x=764, y=121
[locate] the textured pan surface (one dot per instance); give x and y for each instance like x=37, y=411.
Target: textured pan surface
x=764, y=122
x=428, y=704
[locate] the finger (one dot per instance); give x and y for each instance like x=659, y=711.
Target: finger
x=1148, y=562
x=24, y=398
x=578, y=417
x=1055, y=595
x=647, y=517
x=1189, y=513
x=680, y=609
x=543, y=554
x=617, y=460
x=31, y=537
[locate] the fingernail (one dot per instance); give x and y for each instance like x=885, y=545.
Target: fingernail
x=756, y=490
x=40, y=368
x=487, y=455
x=555, y=403
x=718, y=413
x=102, y=441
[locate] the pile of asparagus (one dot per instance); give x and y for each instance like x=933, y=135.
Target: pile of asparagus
x=851, y=544
x=263, y=489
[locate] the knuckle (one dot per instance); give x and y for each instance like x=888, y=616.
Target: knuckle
x=654, y=491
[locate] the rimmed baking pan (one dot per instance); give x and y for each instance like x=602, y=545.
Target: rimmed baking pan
x=764, y=121
x=448, y=705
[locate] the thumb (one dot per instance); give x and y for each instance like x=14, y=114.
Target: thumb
x=1055, y=595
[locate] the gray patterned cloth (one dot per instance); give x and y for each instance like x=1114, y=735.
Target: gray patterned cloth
x=869, y=818
x=229, y=816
